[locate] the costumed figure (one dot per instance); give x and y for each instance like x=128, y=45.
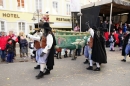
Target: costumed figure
x=86, y=51
x=98, y=48
x=90, y=44
x=126, y=47
x=46, y=17
x=46, y=52
x=36, y=51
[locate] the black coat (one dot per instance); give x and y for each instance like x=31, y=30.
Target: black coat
x=50, y=58
x=98, y=50
x=124, y=45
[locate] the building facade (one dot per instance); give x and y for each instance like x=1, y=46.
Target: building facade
x=17, y=15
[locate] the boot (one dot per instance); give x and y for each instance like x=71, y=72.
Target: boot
x=37, y=67
x=47, y=72
x=97, y=69
x=66, y=54
x=90, y=68
x=40, y=75
x=123, y=60
x=86, y=61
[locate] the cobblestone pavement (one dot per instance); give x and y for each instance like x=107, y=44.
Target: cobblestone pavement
x=68, y=73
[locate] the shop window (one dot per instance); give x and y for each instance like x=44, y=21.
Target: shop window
x=68, y=9
x=55, y=6
x=2, y=25
x=38, y=5
x=20, y=3
x=21, y=26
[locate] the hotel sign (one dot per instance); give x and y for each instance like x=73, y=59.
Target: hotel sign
x=10, y=15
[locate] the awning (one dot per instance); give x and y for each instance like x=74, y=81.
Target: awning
x=119, y=6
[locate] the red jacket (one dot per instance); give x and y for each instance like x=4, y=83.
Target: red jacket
x=13, y=37
x=3, y=42
x=116, y=37
x=106, y=35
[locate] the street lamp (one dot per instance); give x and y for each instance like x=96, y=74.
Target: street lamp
x=33, y=18
x=38, y=14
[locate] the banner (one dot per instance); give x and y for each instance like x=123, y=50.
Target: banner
x=75, y=5
x=90, y=15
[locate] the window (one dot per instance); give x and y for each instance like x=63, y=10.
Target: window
x=2, y=25
x=55, y=6
x=68, y=9
x=1, y=2
x=39, y=5
x=21, y=26
x=20, y=3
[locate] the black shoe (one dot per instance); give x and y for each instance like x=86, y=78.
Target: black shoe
x=97, y=69
x=74, y=58
x=60, y=58
x=47, y=72
x=90, y=68
x=86, y=61
x=40, y=75
x=123, y=60
x=37, y=67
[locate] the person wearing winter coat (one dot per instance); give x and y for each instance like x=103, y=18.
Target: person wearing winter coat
x=10, y=51
x=14, y=39
x=3, y=42
x=24, y=46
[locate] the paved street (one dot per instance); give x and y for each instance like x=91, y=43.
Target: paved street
x=68, y=73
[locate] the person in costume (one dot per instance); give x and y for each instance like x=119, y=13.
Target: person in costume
x=46, y=52
x=98, y=49
x=36, y=51
x=49, y=47
x=90, y=44
x=86, y=51
x=126, y=47
x=46, y=17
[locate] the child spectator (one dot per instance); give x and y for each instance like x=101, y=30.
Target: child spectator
x=112, y=41
x=10, y=51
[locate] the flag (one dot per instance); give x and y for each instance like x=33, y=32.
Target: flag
x=75, y=5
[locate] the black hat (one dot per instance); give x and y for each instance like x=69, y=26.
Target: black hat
x=47, y=26
x=95, y=28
